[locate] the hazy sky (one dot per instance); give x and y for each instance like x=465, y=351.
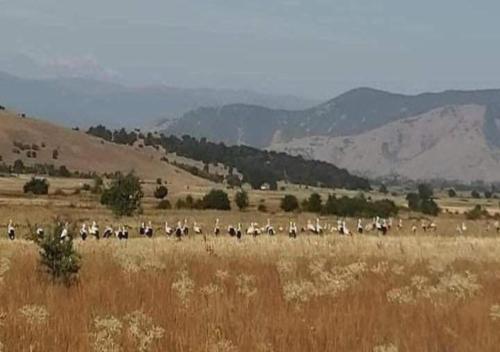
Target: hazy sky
x=312, y=48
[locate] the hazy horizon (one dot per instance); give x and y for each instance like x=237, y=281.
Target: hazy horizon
x=315, y=49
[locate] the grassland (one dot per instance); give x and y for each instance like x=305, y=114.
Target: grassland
x=404, y=292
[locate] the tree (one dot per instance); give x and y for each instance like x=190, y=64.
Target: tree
x=241, y=200
x=452, y=193
x=58, y=258
x=216, y=199
x=289, y=203
x=423, y=201
x=314, y=204
x=488, y=194
x=383, y=189
x=124, y=195
x=18, y=167
x=475, y=194
x=161, y=192
x=164, y=204
x=37, y=186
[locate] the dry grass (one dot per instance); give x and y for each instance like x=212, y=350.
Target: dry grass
x=265, y=294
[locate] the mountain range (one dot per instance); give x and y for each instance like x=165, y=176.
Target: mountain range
x=450, y=135
x=73, y=101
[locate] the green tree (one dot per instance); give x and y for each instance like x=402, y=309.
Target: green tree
x=475, y=194
x=289, y=203
x=37, y=186
x=452, y=193
x=18, y=167
x=314, y=203
x=124, y=195
x=58, y=258
x=161, y=192
x=423, y=201
x=216, y=199
x=241, y=200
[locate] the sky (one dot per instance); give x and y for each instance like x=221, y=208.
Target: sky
x=310, y=48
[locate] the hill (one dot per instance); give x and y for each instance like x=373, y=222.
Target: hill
x=80, y=152
x=345, y=131
x=84, y=102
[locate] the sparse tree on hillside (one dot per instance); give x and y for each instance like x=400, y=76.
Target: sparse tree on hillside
x=124, y=195
x=289, y=203
x=161, y=192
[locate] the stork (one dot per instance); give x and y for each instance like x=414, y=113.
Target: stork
x=216, y=228
x=108, y=232
x=168, y=230
x=94, y=230
x=185, y=228
x=292, y=230
x=64, y=233
x=178, y=230
x=197, y=229
x=149, y=230
x=142, y=229
x=269, y=229
x=360, y=226
x=238, y=231
x=11, y=231
x=84, y=232
x=231, y=230
x=40, y=232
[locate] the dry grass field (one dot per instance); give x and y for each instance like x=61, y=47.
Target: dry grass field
x=403, y=292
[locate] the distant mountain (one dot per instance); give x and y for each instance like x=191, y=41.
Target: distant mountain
x=373, y=132
x=86, y=102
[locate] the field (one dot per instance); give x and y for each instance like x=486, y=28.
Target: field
x=403, y=292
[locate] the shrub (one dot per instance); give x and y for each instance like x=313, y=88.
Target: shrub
x=359, y=206
x=36, y=186
x=216, y=199
x=161, y=192
x=488, y=194
x=476, y=213
x=241, y=200
x=475, y=194
x=58, y=258
x=159, y=181
x=314, y=204
x=164, y=204
x=262, y=208
x=423, y=201
x=289, y=203
x=124, y=195
x=18, y=166
x=55, y=154
x=452, y=193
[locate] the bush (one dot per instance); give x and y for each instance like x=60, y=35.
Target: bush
x=164, y=204
x=314, y=204
x=161, y=192
x=37, y=186
x=124, y=195
x=216, y=199
x=475, y=194
x=159, y=181
x=262, y=208
x=359, y=206
x=59, y=258
x=423, y=201
x=289, y=203
x=452, y=193
x=476, y=213
x=241, y=200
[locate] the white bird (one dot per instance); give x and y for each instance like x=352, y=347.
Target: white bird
x=269, y=229
x=40, y=232
x=464, y=227
x=292, y=230
x=216, y=228
x=83, y=232
x=94, y=230
x=231, y=230
x=310, y=227
x=149, y=230
x=168, y=230
x=108, y=231
x=185, y=228
x=197, y=229
x=64, y=233
x=11, y=231
x=360, y=226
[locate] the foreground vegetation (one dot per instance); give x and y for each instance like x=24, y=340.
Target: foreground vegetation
x=265, y=294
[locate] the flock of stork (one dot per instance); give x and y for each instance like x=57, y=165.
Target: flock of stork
x=182, y=229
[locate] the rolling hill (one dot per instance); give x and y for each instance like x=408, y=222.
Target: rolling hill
x=79, y=151
x=84, y=102
x=452, y=135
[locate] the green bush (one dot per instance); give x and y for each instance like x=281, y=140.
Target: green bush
x=289, y=203
x=164, y=204
x=314, y=203
x=359, y=207
x=58, y=258
x=423, y=201
x=241, y=200
x=262, y=208
x=37, y=186
x=476, y=213
x=452, y=193
x=216, y=199
x=161, y=192
x=124, y=195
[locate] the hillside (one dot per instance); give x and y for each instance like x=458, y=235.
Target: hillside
x=84, y=102
x=81, y=152
x=447, y=143
x=345, y=131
